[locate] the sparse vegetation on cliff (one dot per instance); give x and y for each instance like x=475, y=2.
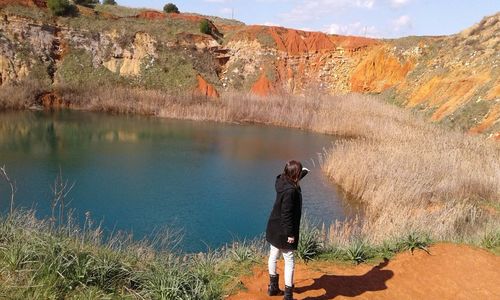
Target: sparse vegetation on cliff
x=204, y=27
x=451, y=79
x=109, y=2
x=89, y=3
x=59, y=7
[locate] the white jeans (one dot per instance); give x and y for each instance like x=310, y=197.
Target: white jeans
x=289, y=263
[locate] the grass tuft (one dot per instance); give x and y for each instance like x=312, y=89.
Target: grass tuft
x=358, y=252
x=414, y=241
x=310, y=242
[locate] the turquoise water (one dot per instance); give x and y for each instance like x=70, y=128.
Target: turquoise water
x=138, y=174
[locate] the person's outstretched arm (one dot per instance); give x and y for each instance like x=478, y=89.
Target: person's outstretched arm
x=304, y=172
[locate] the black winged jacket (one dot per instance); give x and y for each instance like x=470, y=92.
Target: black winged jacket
x=284, y=220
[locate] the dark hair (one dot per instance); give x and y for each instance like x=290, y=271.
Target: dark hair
x=292, y=171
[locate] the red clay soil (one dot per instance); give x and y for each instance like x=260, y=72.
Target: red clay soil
x=206, y=89
x=159, y=15
x=296, y=42
x=449, y=272
x=151, y=15
x=52, y=100
x=262, y=87
x=29, y=3
x=352, y=42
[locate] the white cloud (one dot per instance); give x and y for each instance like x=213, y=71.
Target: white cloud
x=305, y=11
x=226, y=11
x=356, y=28
x=403, y=22
x=364, y=3
x=270, y=24
x=215, y=1
x=398, y=3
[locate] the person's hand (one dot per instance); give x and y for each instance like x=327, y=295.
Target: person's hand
x=291, y=240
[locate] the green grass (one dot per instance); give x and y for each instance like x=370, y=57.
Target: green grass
x=119, y=11
x=469, y=115
x=414, y=241
x=310, y=240
x=56, y=259
x=42, y=261
x=266, y=40
x=491, y=241
x=28, y=12
x=172, y=70
x=359, y=251
x=77, y=69
x=161, y=30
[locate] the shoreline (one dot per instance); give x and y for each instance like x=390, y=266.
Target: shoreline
x=388, y=141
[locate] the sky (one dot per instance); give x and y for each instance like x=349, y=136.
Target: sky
x=373, y=18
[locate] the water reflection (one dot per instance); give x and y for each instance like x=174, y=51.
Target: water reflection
x=137, y=173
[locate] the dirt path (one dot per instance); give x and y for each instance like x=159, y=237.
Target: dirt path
x=449, y=272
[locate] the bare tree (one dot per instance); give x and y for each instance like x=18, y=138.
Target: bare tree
x=12, y=184
x=60, y=190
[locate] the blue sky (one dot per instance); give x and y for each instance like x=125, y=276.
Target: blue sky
x=377, y=18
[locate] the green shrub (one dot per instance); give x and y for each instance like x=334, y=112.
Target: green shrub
x=387, y=249
x=491, y=240
x=59, y=7
x=414, y=241
x=171, y=8
x=241, y=253
x=88, y=3
x=77, y=70
x=205, y=27
x=244, y=251
x=109, y=2
x=358, y=252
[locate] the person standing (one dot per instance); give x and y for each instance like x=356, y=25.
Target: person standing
x=283, y=226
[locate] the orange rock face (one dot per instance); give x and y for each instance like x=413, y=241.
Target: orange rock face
x=449, y=92
x=379, y=71
x=262, y=87
x=206, y=89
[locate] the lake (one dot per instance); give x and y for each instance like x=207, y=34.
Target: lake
x=140, y=174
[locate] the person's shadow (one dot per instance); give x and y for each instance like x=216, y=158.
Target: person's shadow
x=350, y=286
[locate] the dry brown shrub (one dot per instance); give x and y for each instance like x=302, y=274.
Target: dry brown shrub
x=20, y=95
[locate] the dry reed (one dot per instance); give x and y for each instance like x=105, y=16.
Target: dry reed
x=412, y=176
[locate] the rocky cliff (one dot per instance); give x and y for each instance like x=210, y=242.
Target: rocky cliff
x=453, y=79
